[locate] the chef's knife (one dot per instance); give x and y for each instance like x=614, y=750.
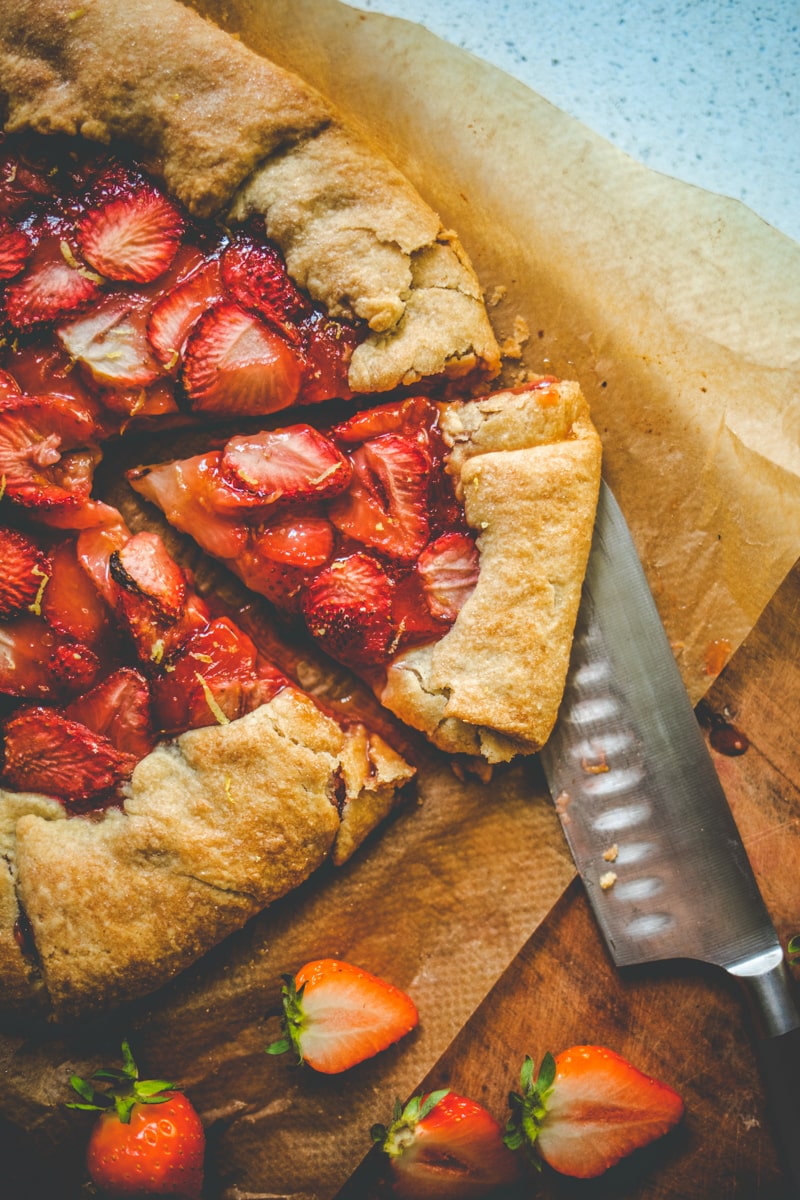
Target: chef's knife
x=647, y=820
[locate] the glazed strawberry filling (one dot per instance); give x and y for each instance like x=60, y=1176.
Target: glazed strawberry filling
x=356, y=529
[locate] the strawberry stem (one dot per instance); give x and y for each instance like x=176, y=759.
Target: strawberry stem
x=293, y=1020
x=400, y=1134
x=126, y=1089
x=529, y=1105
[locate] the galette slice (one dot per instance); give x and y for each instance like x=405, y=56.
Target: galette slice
x=162, y=781
x=439, y=550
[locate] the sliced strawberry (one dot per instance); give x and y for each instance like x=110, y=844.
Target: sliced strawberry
x=51, y=287
x=217, y=677
x=26, y=646
x=71, y=602
x=110, y=342
x=44, y=368
x=413, y=619
x=130, y=231
x=119, y=708
x=337, y=1015
x=194, y=499
x=39, y=460
x=255, y=276
x=445, y=1147
x=448, y=569
x=173, y=316
x=348, y=609
x=400, y=416
x=26, y=570
x=587, y=1109
x=22, y=185
x=96, y=543
x=234, y=363
x=15, y=249
x=9, y=388
x=296, y=463
x=328, y=347
x=386, y=505
x=74, y=666
x=151, y=596
x=46, y=752
x=300, y=540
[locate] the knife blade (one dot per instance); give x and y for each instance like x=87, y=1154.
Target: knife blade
x=647, y=820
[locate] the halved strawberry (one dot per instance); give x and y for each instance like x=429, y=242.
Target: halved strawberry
x=280, y=560
x=130, y=231
x=26, y=569
x=45, y=752
x=194, y=499
x=448, y=570
x=75, y=666
x=152, y=595
x=296, y=463
x=216, y=677
x=234, y=363
x=46, y=452
x=328, y=347
x=399, y=416
x=445, y=1147
x=119, y=708
x=348, y=609
x=588, y=1108
x=336, y=1015
x=71, y=602
x=255, y=276
x=15, y=249
x=386, y=505
x=172, y=316
x=26, y=646
x=51, y=287
x=111, y=342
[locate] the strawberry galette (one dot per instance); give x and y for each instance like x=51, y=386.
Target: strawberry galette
x=241, y=269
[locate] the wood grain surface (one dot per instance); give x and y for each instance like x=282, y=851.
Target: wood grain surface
x=682, y=1022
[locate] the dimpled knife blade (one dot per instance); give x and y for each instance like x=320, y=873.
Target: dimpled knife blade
x=645, y=815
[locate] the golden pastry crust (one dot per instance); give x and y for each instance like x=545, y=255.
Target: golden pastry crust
x=216, y=826
x=527, y=466
x=234, y=135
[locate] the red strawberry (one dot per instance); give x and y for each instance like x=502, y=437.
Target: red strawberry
x=400, y=416
x=111, y=343
x=195, y=500
x=151, y=596
x=386, y=505
x=130, y=231
x=328, y=346
x=348, y=609
x=587, y=1109
x=216, y=677
x=26, y=570
x=148, y=1138
x=172, y=316
x=45, y=752
x=234, y=363
x=21, y=184
x=411, y=615
x=15, y=249
x=295, y=463
x=337, y=1015
x=445, y=1147
x=26, y=645
x=40, y=462
x=71, y=602
x=255, y=276
x=448, y=569
x=74, y=666
x=51, y=287
x=119, y=709
x=9, y=388
x=300, y=540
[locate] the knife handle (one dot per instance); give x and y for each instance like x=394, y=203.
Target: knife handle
x=778, y=1051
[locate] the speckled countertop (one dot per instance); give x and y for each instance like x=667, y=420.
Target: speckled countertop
x=707, y=91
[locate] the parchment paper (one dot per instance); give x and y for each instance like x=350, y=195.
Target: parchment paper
x=679, y=312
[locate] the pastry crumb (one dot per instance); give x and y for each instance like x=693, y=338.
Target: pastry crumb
x=496, y=295
x=512, y=346
x=608, y=880
x=610, y=855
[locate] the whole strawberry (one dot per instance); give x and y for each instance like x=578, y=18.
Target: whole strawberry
x=588, y=1108
x=336, y=1015
x=148, y=1139
x=445, y=1147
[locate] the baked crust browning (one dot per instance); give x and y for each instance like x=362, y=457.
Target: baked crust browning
x=527, y=466
x=234, y=135
x=217, y=825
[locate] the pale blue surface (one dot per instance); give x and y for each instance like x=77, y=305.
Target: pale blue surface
x=707, y=90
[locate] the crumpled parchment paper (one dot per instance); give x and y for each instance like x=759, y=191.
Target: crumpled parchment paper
x=679, y=312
